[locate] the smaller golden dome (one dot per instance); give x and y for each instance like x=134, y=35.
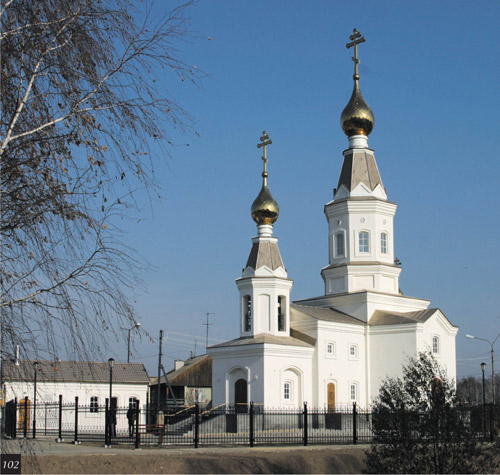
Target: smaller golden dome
x=357, y=118
x=265, y=210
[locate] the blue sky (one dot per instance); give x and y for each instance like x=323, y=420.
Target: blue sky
x=429, y=71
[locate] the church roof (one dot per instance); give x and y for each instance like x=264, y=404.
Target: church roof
x=266, y=338
x=359, y=167
x=381, y=317
x=75, y=371
x=328, y=314
x=265, y=253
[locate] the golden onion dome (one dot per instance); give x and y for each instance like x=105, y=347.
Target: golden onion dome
x=357, y=118
x=265, y=210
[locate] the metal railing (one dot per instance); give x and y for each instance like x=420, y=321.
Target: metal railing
x=225, y=425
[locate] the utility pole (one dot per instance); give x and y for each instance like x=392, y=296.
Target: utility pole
x=207, y=325
x=159, y=375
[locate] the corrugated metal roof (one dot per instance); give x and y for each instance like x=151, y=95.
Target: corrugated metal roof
x=75, y=371
x=327, y=314
x=196, y=371
x=381, y=317
x=265, y=338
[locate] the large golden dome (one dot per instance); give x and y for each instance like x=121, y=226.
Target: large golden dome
x=357, y=118
x=265, y=210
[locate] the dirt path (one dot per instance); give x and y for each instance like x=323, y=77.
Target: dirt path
x=64, y=458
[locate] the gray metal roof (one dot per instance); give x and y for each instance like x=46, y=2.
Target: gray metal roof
x=322, y=313
x=197, y=371
x=359, y=167
x=265, y=253
x=75, y=371
x=381, y=317
x=265, y=338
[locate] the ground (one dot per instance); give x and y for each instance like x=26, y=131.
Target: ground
x=50, y=457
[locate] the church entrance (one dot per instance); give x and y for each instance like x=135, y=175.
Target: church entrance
x=240, y=395
x=332, y=420
x=331, y=396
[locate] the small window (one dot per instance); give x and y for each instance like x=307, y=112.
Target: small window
x=132, y=402
x=247, y=310
x=330, y=348
x=353, y=352
x=94, y=404
x=281, y=313
x=435, y=345
x=339, y=244
x=383, y=243
x=354, y=392
x=287, y=393
x=364, y=241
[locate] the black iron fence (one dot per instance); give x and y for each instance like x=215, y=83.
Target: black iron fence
x=247, y=424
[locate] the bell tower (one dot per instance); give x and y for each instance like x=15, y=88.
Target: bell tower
x=360, y=218
x=264, y=285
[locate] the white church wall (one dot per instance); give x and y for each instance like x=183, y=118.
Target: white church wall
x=390, y=346
x=344, y=368
x=290, y=364
x=439, y=327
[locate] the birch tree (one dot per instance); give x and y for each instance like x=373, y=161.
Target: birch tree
x=85, y=100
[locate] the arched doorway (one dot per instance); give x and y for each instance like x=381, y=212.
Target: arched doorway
x=330, y=390
x=240, y=395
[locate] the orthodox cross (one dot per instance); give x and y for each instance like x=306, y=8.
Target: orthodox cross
x=356, y=39
x=264, y=142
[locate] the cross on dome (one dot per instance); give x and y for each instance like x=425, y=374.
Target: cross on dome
x=264, y=142
x=356, y=39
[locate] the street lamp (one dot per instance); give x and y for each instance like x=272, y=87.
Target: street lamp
x=34, y=399
x=109, y=421
x=111, y=363
x=483, y=367
x=491, y=343
x=137, y=325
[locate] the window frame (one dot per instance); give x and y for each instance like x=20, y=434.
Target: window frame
x=281, y=313
x=354, y=356
x=367, y=244
x=94, y=405
x=288, y=391
x=333, y=353
x=436, y=345
x=337, y=237
x=384, y=243
x=353, y=386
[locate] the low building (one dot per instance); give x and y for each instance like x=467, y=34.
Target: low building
x=190, y=382
x=67, y=380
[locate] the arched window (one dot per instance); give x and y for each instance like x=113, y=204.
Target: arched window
x=281, y=313
x=339, y=245
x=364, y=241
x=330, y=349
x=435, y=345
x=247, y=312
x=94, y=404
x=383, y=243
x=287, y=391
x=353, y=393
x=353, y=352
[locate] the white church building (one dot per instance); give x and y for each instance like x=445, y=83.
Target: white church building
x=334, y=349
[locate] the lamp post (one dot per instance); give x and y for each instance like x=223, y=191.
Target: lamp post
x=34, y=398
x=137, y=325
x=491, y=343
x=111, y=363
x=483, y=367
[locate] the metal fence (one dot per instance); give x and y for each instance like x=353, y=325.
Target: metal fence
x=246, y=424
